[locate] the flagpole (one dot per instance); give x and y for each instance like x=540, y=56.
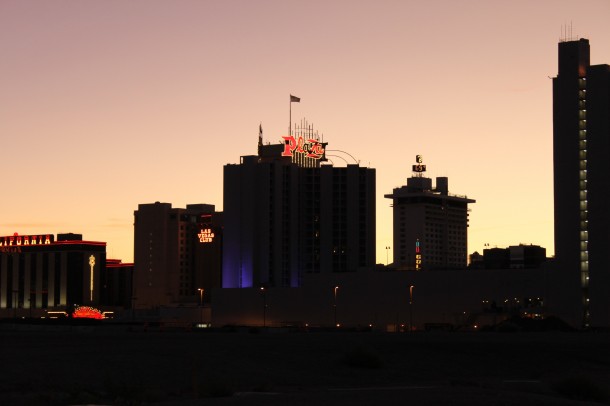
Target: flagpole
x=296, y=100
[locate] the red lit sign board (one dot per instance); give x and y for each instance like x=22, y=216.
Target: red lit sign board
x=16, y=240
x=309, y=147
x=87, y=312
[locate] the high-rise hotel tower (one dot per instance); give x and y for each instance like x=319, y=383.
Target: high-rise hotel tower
x=177, y=254
x=286, y=215
x=581, y=164
x=430, y=224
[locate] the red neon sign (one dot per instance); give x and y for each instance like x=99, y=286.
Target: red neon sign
x=310, y=147
x=86, y=312
x=17, y=240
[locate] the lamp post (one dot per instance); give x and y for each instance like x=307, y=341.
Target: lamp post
x=411, y=308
x=335, y=304
x=264, y=293
x=200, y=304
x=387, y=249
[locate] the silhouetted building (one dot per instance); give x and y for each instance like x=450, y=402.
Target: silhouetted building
x=117, y=284
x=177, y=252
x=496, y=258
x=476, y=261
x=430, y=224
x=581, y=147
x=287, y=215
x=514, y=257
x=41, y=272
x=526, y=256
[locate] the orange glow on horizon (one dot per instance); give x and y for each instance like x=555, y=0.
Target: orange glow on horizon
x=113, y=104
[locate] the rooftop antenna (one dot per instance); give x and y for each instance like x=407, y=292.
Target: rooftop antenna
x=567, y=33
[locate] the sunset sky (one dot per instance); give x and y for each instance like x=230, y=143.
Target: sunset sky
x=108, y=104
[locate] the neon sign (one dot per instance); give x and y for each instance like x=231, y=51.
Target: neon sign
x=17, y=240
x=91, y=264
x=10, y=250
x=87, y=312
x=206, y=235
x=417, y=256
x=309, y=147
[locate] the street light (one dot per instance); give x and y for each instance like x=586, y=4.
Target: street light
x=200, y=304
x=335, y=305
x=201, y=290
x=411, y=307
x=264, y=292
x=387, y=248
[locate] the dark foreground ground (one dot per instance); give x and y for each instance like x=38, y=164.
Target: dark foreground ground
x=114, y=366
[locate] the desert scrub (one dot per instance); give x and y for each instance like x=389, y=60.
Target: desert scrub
x=362, y=357
x=581, y=388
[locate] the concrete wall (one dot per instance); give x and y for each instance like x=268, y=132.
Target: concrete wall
x=380, y=298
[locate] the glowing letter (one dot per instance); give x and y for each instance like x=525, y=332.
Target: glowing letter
x=289, y=145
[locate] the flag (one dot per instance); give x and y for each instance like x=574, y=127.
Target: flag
x=295, y=99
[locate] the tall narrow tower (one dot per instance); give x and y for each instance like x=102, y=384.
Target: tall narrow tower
x=581, y=164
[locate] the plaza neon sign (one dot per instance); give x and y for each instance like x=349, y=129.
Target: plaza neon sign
x=206, y=236
x=309, y=147
x=17, y=240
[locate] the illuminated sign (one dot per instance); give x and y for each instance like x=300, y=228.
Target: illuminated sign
x=309, y=147
x=17, y=240
x=10, y=250
x=91, y=264
x=206, y=235
x=86, y=312
x=417, y=256
x=419, y=166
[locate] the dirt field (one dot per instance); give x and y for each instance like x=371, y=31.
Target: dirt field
x=112, y=365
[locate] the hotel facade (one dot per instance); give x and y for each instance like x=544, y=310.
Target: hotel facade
x=177, y=253
x=430, y=224
x=581, y=170
x=289, y=213
x=41, y=273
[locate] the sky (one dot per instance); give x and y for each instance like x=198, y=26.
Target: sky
x=105, y=105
